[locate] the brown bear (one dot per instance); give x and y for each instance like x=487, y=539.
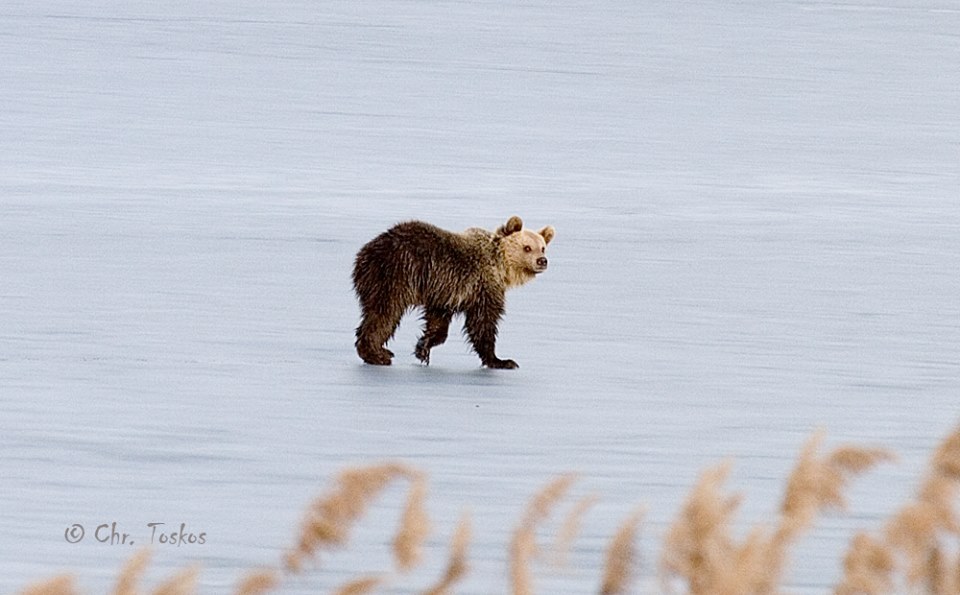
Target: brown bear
x=415, y=264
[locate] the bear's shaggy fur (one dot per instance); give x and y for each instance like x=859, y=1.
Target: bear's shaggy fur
x=415, y=264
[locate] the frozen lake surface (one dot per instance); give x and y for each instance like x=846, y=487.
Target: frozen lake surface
x=757, y=208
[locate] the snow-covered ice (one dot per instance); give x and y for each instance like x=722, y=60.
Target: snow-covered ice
x=757, y=208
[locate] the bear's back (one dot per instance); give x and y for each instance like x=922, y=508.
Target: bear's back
x=439, y=267
x=428, y=243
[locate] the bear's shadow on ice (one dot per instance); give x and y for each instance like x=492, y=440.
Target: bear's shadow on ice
x=419, y=375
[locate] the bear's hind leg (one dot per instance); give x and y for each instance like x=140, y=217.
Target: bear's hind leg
x=435, y=329
x=374, y=331
x=481, y=327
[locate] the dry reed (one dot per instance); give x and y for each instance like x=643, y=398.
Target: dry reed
x=183, y=583
x=131, y=573
x=329, y=519
x=699, y=551
x=817, y=483
x=414, y=527
x=523, y=548
x=523, y=545
x=697, y=544
x=946, y=459
x=258, y=583
x=867, y=567
x=621, y=557
x=59, y=585
x=910, y=539
x=360, y=586
x=457, y=565
x=570, y=529
x=939, y=578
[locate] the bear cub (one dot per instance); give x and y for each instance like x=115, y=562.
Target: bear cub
x=415, y=264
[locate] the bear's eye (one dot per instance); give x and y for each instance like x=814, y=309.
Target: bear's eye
x=527, y=249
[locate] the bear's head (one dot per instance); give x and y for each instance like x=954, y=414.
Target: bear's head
x=524, y=251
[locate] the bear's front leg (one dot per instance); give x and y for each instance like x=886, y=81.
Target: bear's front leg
x=436, y=327
x=503, y=364
x=481, y=327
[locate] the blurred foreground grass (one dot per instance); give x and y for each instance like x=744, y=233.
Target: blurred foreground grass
x=914, y=551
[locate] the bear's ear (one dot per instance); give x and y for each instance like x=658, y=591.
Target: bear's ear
x=547, y=233
x=513, y=225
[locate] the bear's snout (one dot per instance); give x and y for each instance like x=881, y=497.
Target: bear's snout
x=542, y=262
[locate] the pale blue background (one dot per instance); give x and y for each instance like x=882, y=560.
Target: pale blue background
x=757, y=220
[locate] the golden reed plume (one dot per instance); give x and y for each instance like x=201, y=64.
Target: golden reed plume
x=817, y=483
x=908, y=555
x=701, y=552
x=457, y=565
x=698, y=548
x=621, y=559
x=414, y=527
x=523, y=545
x=329, y=519
x=131, y=573
x=183, y=583
x=258, y=583
x=360, y=586
x=570, y=529
x=59, y=585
